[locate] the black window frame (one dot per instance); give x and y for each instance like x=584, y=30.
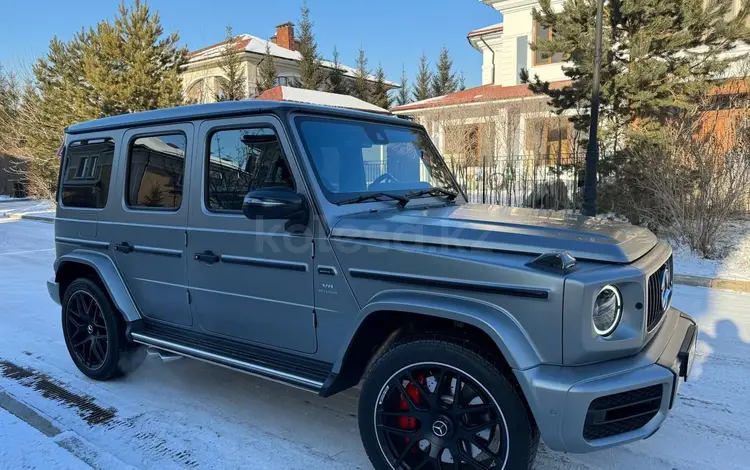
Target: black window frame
x=207, y=162
x=126, y=186
x=72, y=145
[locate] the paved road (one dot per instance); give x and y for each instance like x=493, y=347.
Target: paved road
x=186, y=414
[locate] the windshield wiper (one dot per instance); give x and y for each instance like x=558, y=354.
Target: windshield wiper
x=375, y=197
x=450, y=195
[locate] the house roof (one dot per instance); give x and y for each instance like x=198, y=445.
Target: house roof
x=478, y=94
x=300, y=95
x=256, y=45
x=493, y=28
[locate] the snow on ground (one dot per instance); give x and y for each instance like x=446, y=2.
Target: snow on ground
x=25, y=447
x=735, y=263
x=187, y=414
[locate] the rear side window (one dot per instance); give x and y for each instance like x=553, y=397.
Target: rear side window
x=241, y=160
x=156, y=168
x=87, y=173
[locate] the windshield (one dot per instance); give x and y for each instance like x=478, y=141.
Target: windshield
x=357, y=158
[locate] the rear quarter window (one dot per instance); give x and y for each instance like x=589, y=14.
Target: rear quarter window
x=88, y=169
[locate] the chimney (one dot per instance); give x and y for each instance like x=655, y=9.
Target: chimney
x=285, y=36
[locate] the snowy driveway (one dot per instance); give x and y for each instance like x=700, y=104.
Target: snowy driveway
x=189, y=414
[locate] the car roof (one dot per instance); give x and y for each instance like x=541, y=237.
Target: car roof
x=215, y=110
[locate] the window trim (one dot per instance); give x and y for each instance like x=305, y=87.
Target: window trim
x=64, y=168
x=206, y=174
x=548, y=60
x=126, y=186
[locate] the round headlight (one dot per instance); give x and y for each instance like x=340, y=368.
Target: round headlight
x=607, y=310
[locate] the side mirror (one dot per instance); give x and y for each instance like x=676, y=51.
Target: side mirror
x=276, y=203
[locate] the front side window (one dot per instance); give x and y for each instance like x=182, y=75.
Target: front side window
x=156, y=165
x=354, y=158
x=242, y=160
x=88, y=167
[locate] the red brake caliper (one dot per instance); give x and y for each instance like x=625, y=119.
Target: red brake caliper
x=409, y=422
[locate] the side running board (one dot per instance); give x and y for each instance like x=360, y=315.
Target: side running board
x=289, y=369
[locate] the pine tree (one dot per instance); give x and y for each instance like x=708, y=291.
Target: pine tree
x=461, y=82
x=403, y=92
x=129, y=64
x=311, y=70
x=421, y=85
x=10, y=102
x=361, y=87
x=116, y=67
x=267, y=73
x=380, y=96
x=336, y=80
x=645, y=70
x=234, y=85
x=444, y=80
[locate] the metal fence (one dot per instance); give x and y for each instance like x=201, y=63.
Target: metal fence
x=535, y=181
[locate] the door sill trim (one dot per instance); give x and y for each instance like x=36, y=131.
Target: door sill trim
x=234, y=364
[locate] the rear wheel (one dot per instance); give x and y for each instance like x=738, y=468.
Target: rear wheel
x=95, y=334
x=435, y=404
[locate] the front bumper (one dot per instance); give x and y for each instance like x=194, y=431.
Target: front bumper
x=54, y=290
x=560, y=397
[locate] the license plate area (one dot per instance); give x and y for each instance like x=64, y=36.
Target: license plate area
x=686, y=356
x=683, y=363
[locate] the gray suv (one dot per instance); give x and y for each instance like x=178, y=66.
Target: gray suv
x=323, y=247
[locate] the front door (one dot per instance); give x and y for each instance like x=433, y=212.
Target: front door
x=250, y=280
x=148, y=226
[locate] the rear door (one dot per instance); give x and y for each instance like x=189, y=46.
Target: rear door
x=148, y=230
x=250, y=280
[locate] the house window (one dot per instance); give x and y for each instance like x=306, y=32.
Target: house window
x=541, y=33
x=195, y=92
x=550, y=139
x=286, y=80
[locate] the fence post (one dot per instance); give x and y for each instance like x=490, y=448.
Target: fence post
x=484, y=178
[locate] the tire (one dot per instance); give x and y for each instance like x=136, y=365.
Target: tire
x=403, y=425
x=98, y=346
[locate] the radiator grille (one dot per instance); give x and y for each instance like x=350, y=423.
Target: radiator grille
x=654, y=295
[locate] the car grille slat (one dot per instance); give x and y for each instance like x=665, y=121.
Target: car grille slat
x=655, y=312
x=622, y=412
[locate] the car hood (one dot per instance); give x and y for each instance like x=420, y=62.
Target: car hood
x=502, y=228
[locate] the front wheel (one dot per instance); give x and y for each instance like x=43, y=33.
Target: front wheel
x=435, y=404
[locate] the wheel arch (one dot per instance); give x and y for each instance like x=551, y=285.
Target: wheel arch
x=84, y=263
x=393, y=314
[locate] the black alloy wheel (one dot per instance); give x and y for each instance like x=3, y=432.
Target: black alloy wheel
x=94, y=332
x=86, y=329
x=435, y=416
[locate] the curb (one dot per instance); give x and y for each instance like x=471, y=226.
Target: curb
x=18, y=199
x=38, y=218
x=725, y=284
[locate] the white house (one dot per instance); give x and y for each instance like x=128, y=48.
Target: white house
x=202, y=75
x=500, y=135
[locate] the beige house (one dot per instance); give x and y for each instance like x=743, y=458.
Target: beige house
x=503, y=141
x=202, y=75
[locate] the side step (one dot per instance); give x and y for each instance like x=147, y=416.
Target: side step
x=162, y=354
x=286, y=368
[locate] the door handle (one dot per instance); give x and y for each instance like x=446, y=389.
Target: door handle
x=124, y=248
x=207, y=257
